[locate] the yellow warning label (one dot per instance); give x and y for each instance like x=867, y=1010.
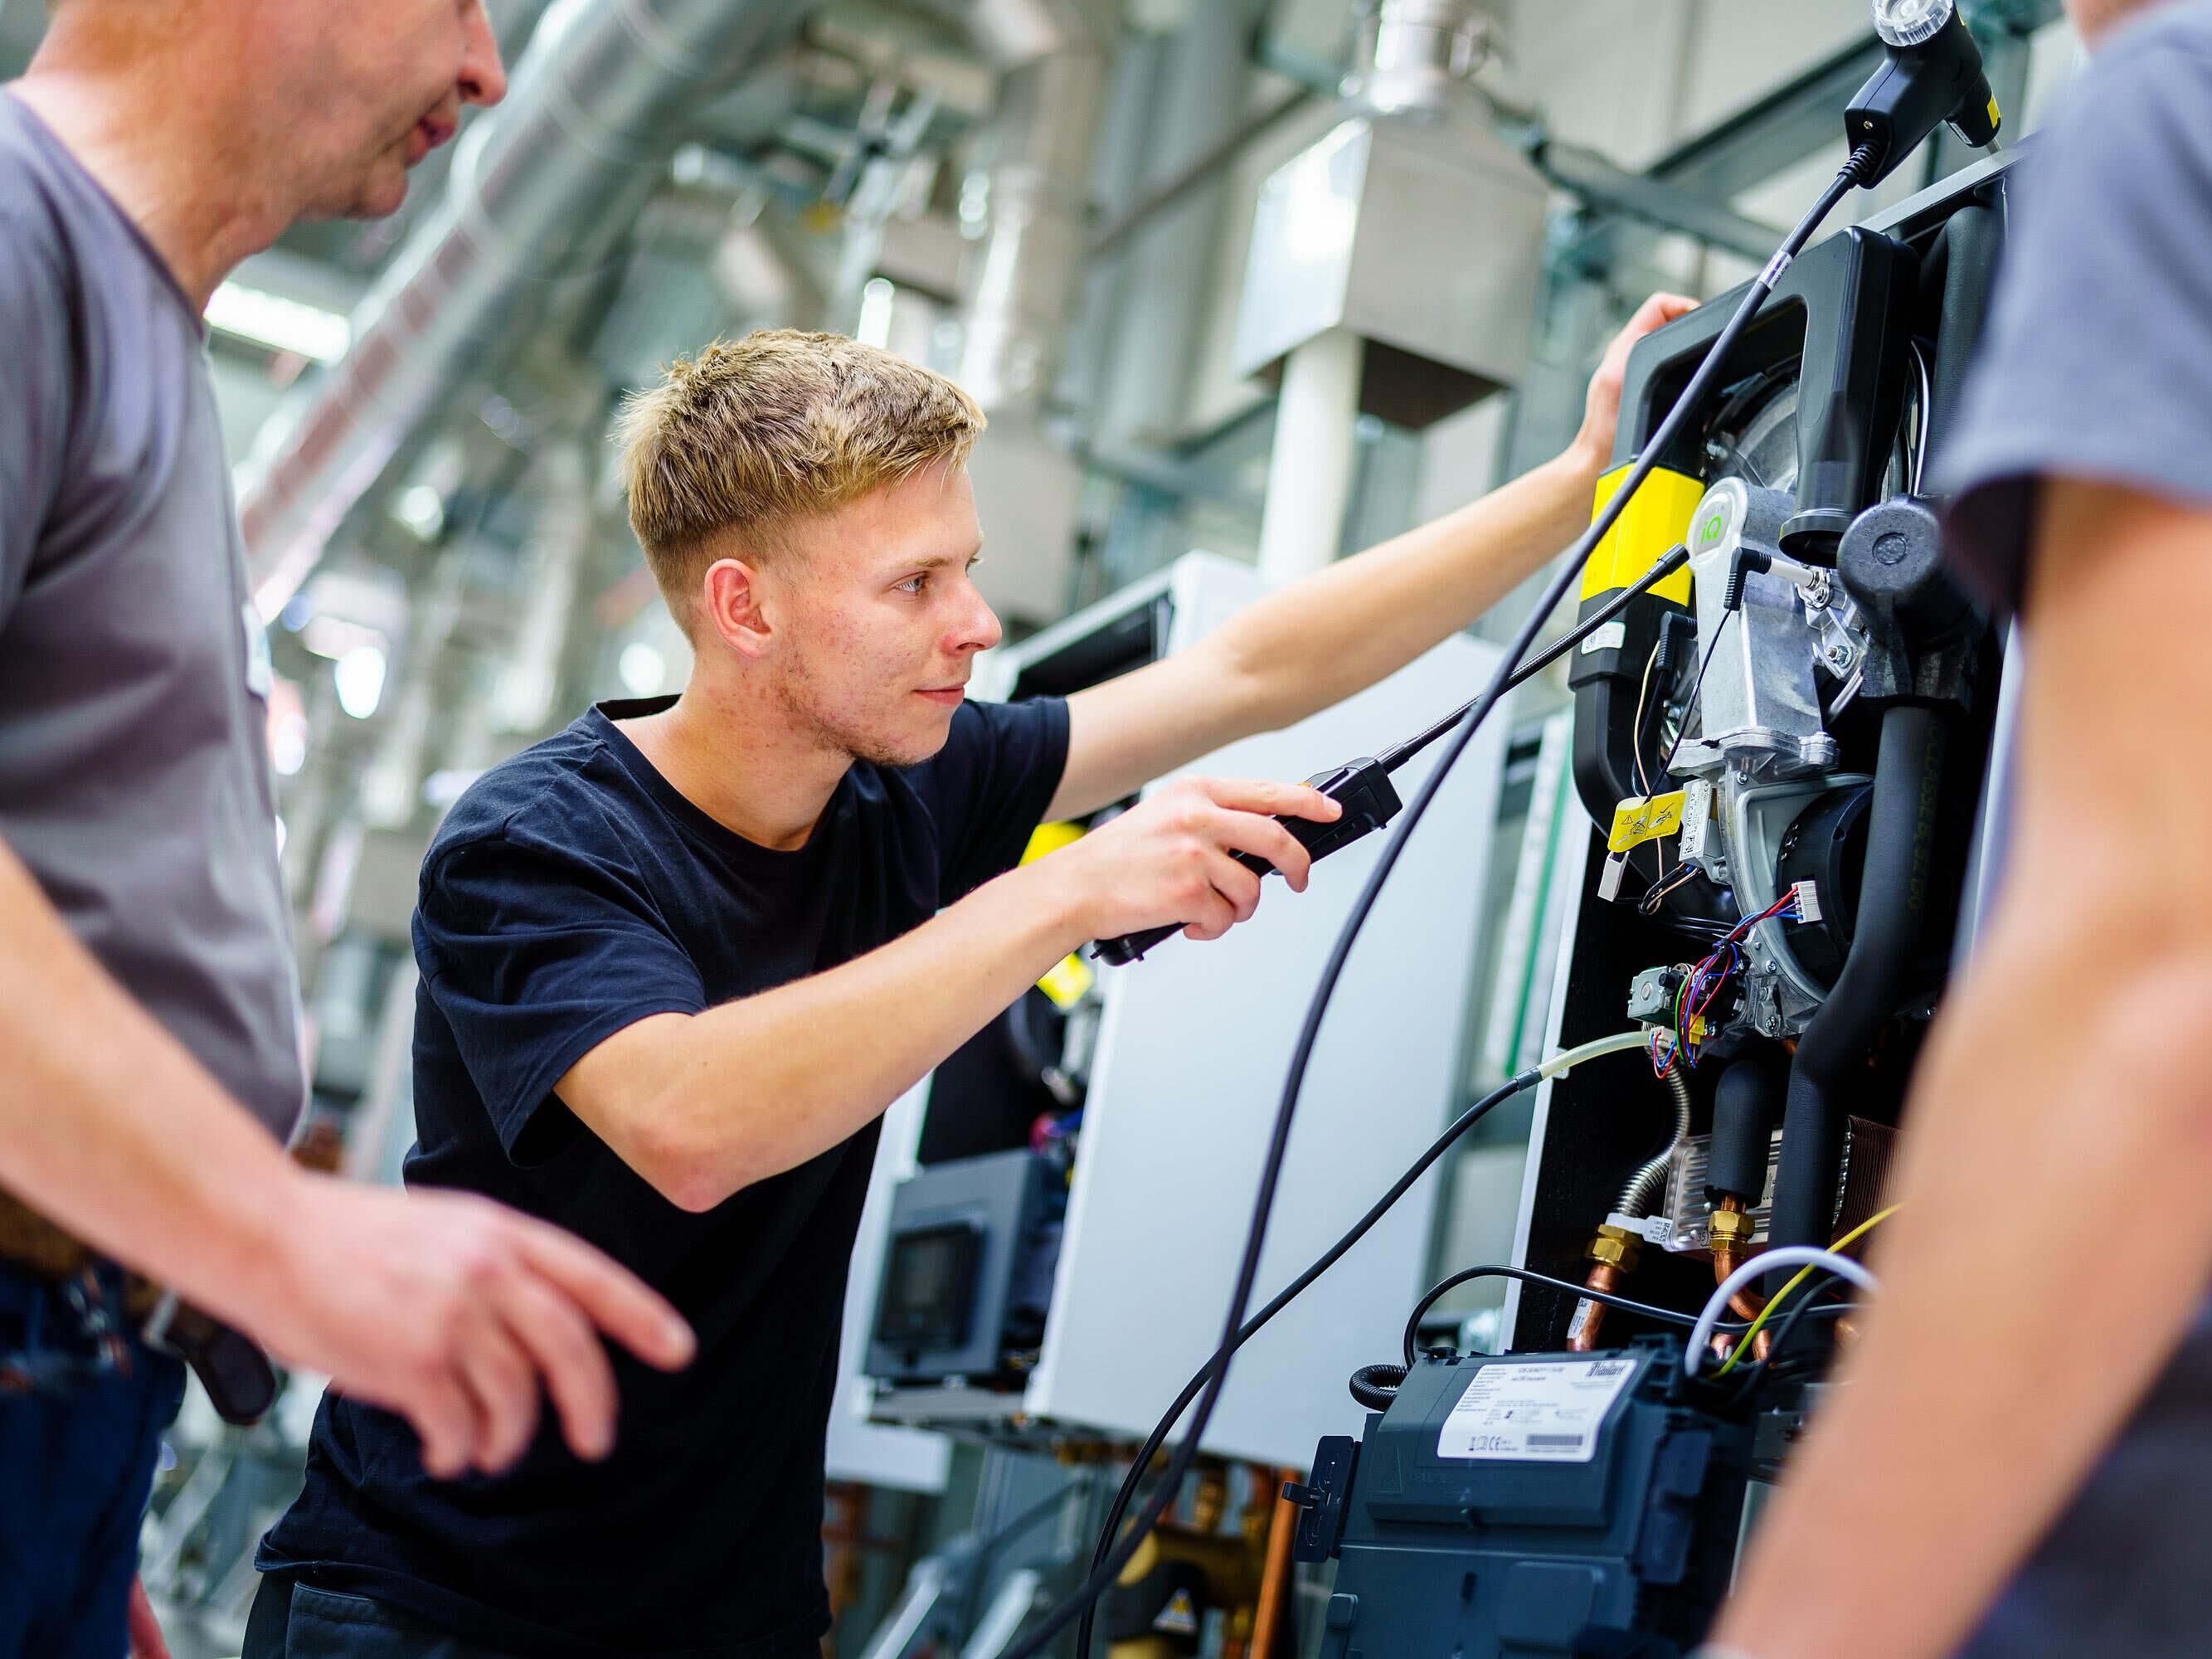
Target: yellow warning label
x=1657, y=518
x=1067, y=981
x=1050, y=838
x=1641, y=819
x=1179, y=1617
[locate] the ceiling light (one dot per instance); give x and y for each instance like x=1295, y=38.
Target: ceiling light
x=282, y=324
x=359, y=675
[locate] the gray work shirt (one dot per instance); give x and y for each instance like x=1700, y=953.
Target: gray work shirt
x=2097, y=365
x=134, y=773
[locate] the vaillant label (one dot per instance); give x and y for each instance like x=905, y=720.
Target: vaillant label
x=1544, y=1413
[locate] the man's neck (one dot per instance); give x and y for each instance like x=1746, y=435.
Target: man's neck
x=733, y=752
x=171, y=165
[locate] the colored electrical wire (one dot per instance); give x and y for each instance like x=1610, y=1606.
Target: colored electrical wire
x=1808, y=1256
x=1863, y=160
x=1702, y=982
x=1654, y=894
x=1436, y=1293
x=1765, y=1371
x=1783, y=1295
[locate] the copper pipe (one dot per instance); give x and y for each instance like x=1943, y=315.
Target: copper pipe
x=1746, y=1304
x=1602, y=1276
x=1275, y=1578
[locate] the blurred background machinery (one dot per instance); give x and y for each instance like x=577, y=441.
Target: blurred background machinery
x=1244, y=285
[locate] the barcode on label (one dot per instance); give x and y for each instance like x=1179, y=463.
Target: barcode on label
x=1553, y=1440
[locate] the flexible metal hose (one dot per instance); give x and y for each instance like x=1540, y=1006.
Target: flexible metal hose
x=1637, y=1199
x=1641, y=1195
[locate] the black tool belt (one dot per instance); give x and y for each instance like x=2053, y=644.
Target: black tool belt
x=234, y=1370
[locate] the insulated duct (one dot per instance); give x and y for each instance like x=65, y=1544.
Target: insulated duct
x=543, y=190
x=1414, y=57
x=1026, y=200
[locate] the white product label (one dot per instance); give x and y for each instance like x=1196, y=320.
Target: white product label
x=1609, y=637
x=1545, y=1413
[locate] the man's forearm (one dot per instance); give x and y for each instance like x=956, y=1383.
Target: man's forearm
x=1380, y=609
x=1321, y=639
x=111, y=1130
x=705, y=1104
x=2053, y=1245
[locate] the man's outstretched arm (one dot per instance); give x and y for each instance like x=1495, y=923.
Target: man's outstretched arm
x=1337, y=632
x=702, y=1105
x=2059, y=1137
x=444, y=1308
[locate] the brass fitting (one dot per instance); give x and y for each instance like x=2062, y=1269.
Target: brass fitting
x=1616, y=1247
x=1729, y=1228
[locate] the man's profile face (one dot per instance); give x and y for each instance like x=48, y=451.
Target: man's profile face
x=878, y=619
x=368, y=91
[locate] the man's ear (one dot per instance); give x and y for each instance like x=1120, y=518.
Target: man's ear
x=733, y=604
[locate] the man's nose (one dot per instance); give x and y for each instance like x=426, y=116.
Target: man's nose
x=484, y=78
x=980, y=629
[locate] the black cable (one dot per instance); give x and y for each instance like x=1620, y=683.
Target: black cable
x=1764, y=1370
x=1627, y=1304
x=1668, y=563
x=1667, y=766
x=1297, y=1287
x=1863, y=160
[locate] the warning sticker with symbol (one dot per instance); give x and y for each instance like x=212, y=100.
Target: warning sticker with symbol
x=1548, y=1412
x=1179, y=1617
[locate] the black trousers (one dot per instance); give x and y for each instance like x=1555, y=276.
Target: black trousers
x=298, y=1621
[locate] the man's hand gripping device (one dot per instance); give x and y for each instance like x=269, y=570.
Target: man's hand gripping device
x=1362, y=787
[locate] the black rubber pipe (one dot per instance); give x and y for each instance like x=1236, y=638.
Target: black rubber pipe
x=1972, y=240
x=1746, y=1105
x=1876, y=977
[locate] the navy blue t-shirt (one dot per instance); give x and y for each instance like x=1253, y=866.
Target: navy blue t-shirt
x=571, y=892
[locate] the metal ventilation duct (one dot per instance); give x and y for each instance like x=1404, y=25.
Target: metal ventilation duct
x=543, y=190
x=1029, y=193
x=1414, y=57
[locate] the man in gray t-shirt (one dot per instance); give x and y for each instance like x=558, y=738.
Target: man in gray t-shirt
x=2021, y=1462
x=148, y=1043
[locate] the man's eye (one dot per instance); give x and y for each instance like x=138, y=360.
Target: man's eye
x=913, y=584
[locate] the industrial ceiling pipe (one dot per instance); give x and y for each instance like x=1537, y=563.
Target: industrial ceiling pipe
x=1021, y=277
x=543, y=190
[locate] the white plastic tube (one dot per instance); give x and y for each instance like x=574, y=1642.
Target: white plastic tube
x=1567, y=1059
x=1785, y=1255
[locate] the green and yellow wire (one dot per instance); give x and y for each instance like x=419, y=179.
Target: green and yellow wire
x=1743, y=1346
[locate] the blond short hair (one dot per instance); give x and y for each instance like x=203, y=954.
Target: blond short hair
x=738, y=443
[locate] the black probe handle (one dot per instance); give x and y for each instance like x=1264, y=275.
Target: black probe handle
x=1364, y=790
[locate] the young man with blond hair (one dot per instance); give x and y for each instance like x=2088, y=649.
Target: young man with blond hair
x=677, y=959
